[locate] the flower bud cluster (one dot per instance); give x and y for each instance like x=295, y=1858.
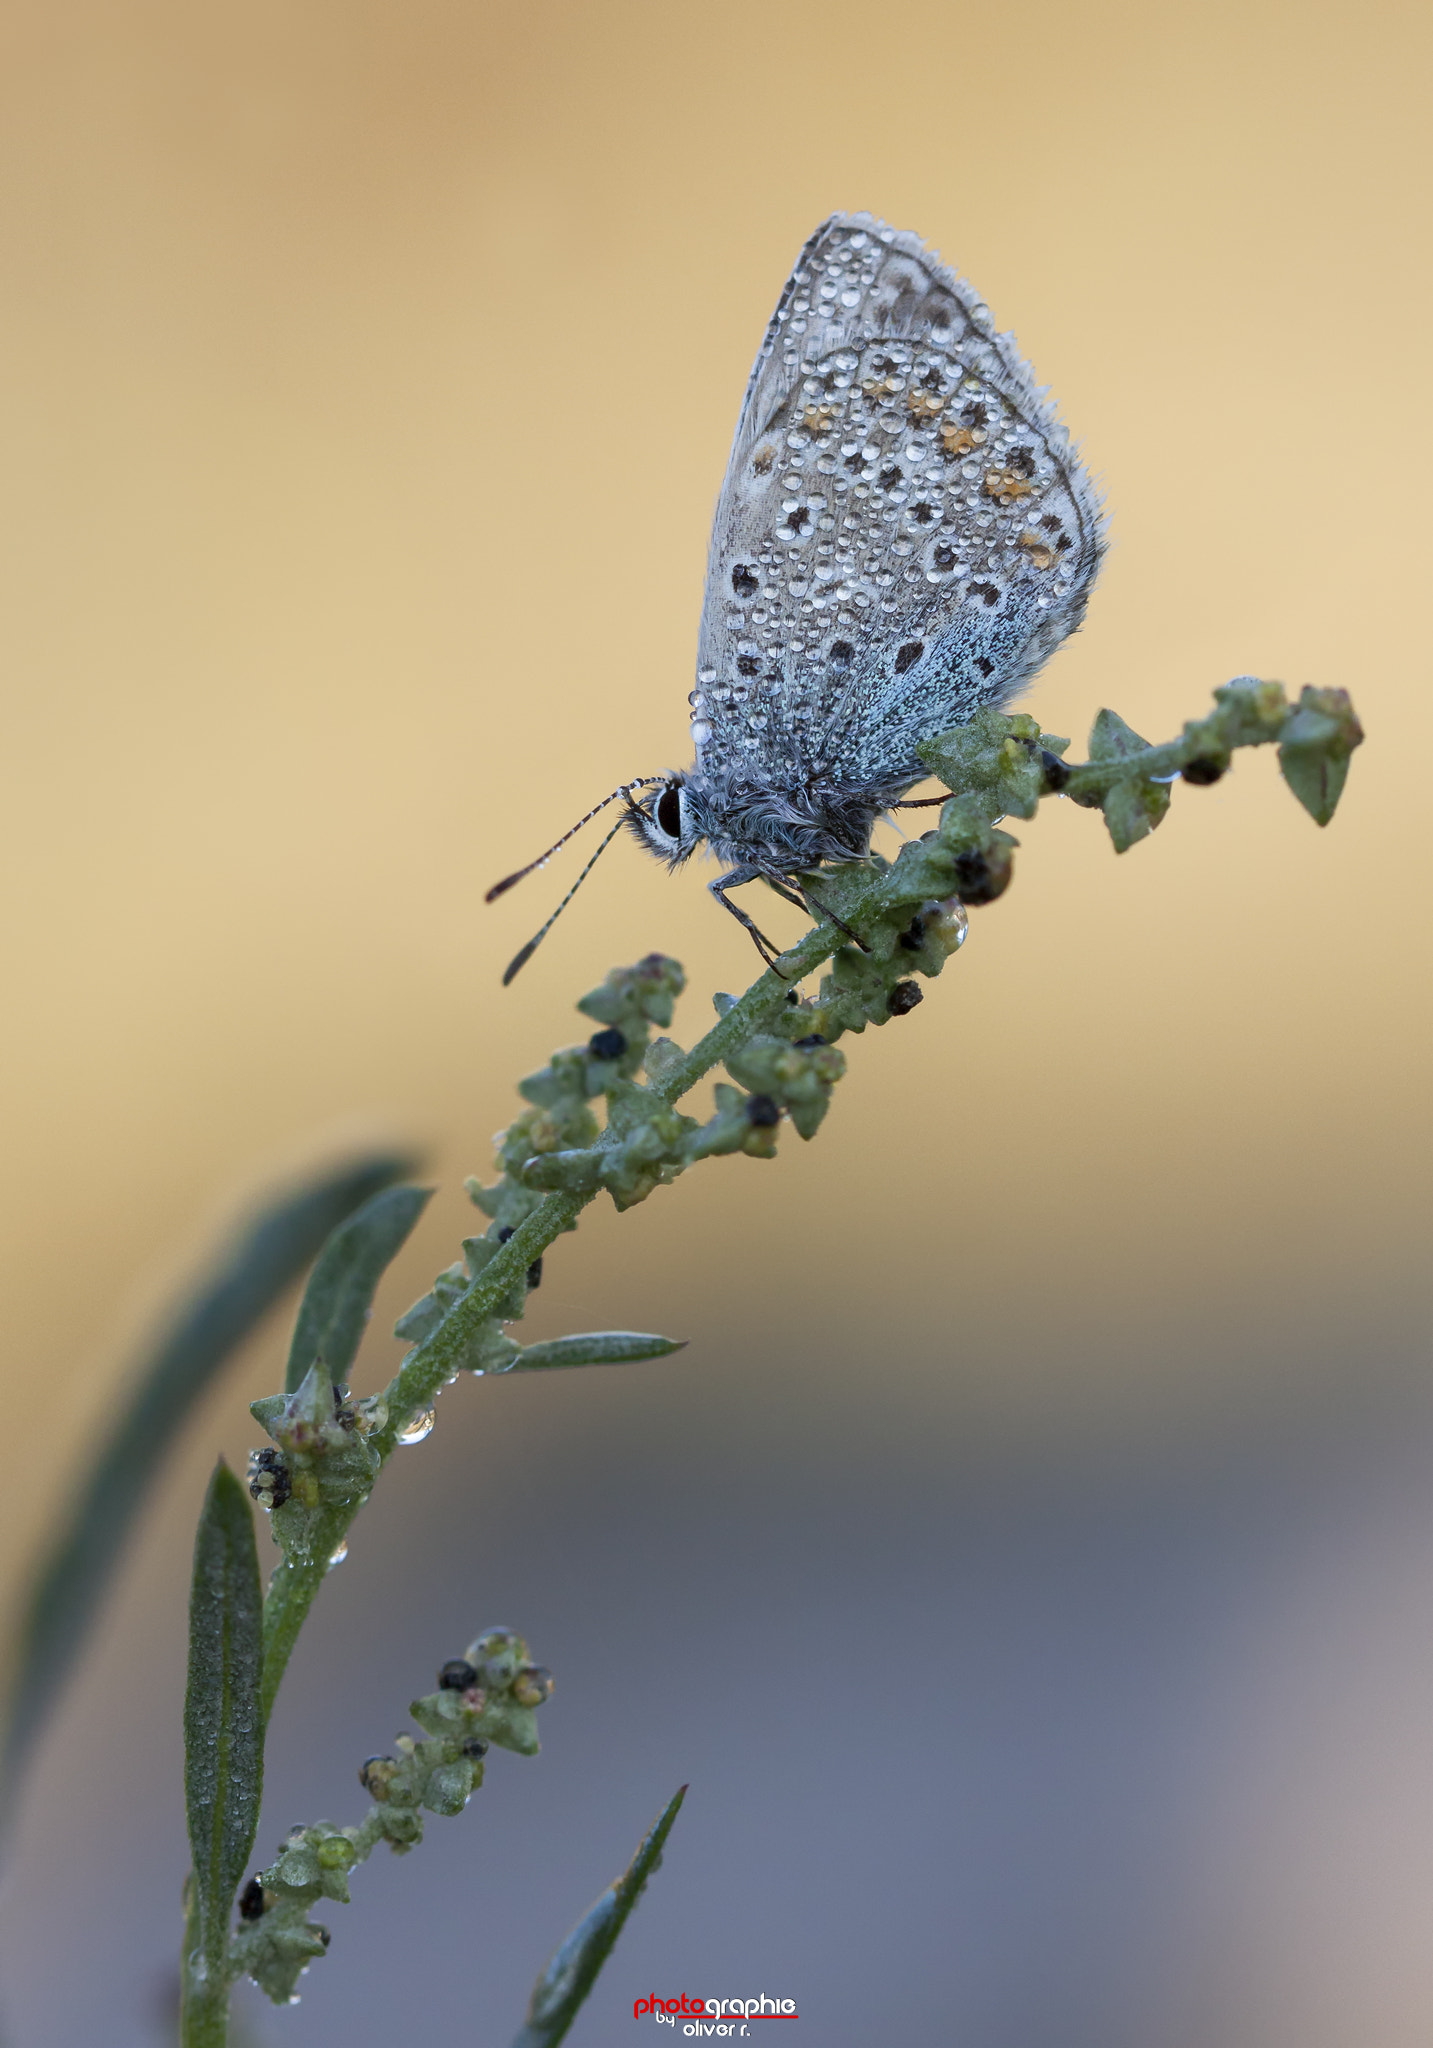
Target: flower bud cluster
x=323, y=1459
x=488, y=1695
x=1002, y=765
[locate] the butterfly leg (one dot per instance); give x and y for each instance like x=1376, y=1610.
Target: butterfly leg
x=808, y=903
x=734, y=880
x=786, y=894
x=813, y=902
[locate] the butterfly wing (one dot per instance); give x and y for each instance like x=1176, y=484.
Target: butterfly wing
x=904, y=533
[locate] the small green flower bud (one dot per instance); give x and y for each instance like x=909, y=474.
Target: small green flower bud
x=760, y=1140
x=497, y=1653
x=449, y=1787
x=269, y=1480
x=532, y=1685
x=376, y=1776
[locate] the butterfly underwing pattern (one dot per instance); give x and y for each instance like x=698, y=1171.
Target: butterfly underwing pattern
x=904, y=535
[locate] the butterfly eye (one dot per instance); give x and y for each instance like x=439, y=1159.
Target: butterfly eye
x=669, y=811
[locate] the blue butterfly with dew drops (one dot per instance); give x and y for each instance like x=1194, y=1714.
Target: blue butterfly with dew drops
x=905, y=534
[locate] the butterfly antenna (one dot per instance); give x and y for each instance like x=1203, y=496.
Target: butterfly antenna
x=501, y=888
x=520, y=960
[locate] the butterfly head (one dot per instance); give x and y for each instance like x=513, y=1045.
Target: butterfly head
x=665, y=822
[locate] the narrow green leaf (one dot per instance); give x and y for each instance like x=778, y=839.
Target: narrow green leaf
x=598, y=1347
x=339, y=1297
x=223, y=1718
x=560, y=1991
x=219, y=1313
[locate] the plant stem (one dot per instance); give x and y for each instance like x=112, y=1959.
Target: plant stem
x=430, y=1364
x=203, y=1991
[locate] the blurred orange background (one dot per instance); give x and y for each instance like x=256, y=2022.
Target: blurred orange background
x=369, y=375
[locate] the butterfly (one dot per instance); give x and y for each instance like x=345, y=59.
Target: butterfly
x=905, y=534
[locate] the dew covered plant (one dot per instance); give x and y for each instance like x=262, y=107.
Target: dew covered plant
x=612, y=1114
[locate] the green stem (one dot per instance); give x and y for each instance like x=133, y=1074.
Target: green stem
x=1091, y=781
x=761, y=1001
x=430, y=1364
x=414, y=1387
x=203, y=1991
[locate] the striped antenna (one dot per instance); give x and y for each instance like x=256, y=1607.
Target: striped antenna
x=501, y=888
x=520, y=960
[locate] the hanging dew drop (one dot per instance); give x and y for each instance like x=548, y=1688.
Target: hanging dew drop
x=414, y=1431
x=337, y=1556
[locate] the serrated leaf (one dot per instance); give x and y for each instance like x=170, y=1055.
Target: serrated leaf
x=597, y=1347
x=339, y=1297
x=559, y=1992
x=223, y=1713
x=216, y=1316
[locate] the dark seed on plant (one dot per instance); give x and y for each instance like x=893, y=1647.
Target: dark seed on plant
x=505, y=1233
x=904, y=997
x=456, y=1675
x=762, y=1111
x=323, y=1934
x=1055, y=771
x=981, y=877
x=1203, y=770
x=607, y=1045
x=534, y=1274
x=913, y=937
x=475, y=1747
x=251, y=1901
x=812, y=1038
x=972, y=870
